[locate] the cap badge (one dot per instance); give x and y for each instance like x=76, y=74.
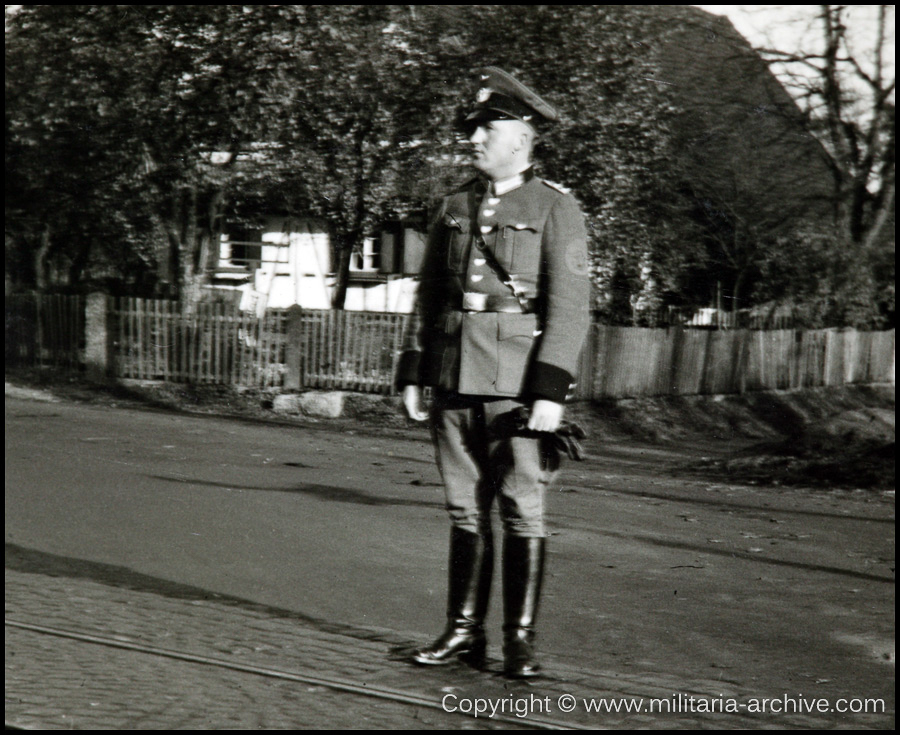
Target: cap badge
x=484, y=94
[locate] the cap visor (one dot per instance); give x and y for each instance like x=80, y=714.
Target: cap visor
x=486, y=114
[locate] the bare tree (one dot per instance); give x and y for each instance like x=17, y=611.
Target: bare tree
x=844, y=83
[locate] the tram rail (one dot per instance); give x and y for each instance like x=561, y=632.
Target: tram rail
x=341, y=685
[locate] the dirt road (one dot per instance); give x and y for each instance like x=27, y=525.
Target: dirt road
x=659, y=579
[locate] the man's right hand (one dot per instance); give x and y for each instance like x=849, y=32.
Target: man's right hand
x=412, y=401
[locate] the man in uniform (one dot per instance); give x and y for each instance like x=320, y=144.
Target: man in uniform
x=504, y=309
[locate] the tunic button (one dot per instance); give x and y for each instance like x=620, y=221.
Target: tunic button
x=485, y=229
x=479, y=261
x=488, y=212
x=493, y=201
x=476, y=278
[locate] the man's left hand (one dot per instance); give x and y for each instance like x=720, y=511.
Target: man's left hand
x=545, y=415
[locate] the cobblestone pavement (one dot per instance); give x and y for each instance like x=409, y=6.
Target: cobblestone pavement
x=55, y=682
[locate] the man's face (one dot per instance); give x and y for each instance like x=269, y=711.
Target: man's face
x=498, y=147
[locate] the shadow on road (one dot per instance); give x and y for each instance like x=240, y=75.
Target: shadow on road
x=32, y=561
x=736, y=554
x=333, y=493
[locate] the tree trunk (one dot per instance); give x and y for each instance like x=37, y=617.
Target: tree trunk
x=190, y=293
x=344, y=251
x=193, y=242
x=882, y=219
x=41, y=280
x=736, y=293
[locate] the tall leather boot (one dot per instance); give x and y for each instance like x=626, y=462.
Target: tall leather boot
x=523, y=573
x=471, y=567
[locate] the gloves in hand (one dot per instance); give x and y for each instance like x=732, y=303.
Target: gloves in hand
x=566, y=439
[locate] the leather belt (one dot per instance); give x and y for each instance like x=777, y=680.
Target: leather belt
x=491, y=302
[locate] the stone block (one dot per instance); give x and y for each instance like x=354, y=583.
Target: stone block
x=321, y=404
x=288, y=403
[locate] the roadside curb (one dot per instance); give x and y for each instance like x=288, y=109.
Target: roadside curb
x=30, y=394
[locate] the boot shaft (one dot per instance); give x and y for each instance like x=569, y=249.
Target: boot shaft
x=523, y=576
x=470, y=571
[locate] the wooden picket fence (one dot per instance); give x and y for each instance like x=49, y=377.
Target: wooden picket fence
x=350, y=350
x=337, y=350
x=44, y=330
x=212, y=343
x=632, y=361
x=343, y=350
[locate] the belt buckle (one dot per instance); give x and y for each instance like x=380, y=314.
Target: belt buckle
x=474, y=301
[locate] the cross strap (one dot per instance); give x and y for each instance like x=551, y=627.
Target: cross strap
x=505, y=278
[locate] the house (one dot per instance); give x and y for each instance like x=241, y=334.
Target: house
x=288, y=261
x=737, y=125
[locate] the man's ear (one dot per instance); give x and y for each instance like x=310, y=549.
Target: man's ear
x=523, y=141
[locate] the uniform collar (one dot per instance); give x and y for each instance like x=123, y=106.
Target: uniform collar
x=504, y=186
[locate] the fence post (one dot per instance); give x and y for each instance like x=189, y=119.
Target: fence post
x=292, y=349
x=97, y=337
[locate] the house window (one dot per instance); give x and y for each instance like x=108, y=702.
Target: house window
x=369, y=259
x=395, y=250
x=246, y=247
x=243, y=253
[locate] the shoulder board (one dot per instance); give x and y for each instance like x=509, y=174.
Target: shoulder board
x=559, y=187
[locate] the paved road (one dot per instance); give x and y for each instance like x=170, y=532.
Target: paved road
x=321, y=554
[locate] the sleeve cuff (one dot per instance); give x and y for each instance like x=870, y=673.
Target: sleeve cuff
x=408, y=369
x=549, y=382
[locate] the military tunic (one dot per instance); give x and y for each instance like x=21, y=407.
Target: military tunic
x=474, y=338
